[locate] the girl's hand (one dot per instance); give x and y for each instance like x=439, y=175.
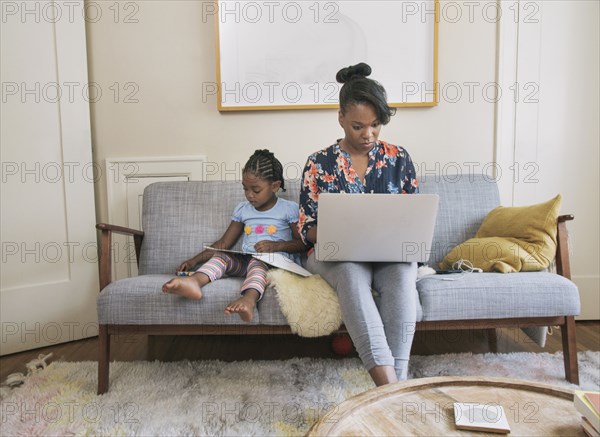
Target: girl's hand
x=266, y=246
x=186, y=265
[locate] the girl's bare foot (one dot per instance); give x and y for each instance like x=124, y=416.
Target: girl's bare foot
x=244, y=306
x=189, y=287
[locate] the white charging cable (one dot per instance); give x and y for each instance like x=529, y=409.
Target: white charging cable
x=466, y=267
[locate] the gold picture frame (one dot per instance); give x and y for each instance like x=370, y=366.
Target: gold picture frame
x=285, y=54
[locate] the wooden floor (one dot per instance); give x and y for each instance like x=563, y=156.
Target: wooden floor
x=279, y=347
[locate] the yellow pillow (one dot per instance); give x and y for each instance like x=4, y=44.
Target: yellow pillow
x=512, y=239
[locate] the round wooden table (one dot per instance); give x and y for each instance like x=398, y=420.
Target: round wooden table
x=425, y=407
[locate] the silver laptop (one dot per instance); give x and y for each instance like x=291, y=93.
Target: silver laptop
x=375, y=227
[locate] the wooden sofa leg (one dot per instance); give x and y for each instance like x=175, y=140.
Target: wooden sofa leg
x=569, y=343
x=103, y=358
x=492, y=336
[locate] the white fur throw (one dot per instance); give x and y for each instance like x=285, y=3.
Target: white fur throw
x=309, y=304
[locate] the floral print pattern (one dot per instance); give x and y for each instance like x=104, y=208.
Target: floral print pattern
x=390, y=170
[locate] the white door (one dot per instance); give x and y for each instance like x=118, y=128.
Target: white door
x=49, y=280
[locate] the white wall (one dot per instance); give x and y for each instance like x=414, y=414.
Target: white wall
x=167, y=58
x=170, y=53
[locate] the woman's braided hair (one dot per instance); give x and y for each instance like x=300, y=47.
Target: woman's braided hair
x=264, y=165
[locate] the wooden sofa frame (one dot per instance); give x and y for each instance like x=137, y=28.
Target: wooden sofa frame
x=566, y=323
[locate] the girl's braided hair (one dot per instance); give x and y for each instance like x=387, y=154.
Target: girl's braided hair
x=264, y=165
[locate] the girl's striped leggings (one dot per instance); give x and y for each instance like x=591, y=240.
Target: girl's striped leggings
x=232, y=264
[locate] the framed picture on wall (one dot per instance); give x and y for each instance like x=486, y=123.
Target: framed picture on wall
x=285, y=54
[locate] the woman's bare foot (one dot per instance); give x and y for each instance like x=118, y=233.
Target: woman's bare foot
x=244, y=306
x=189, y=287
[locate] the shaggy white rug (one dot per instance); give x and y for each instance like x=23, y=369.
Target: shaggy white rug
x=226, y=399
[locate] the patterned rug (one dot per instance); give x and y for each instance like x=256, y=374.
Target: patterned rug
x=227, y=399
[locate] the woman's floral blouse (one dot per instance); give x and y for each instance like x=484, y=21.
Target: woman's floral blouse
x=390, y=170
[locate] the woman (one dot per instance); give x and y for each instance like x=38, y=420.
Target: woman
x=361, y=163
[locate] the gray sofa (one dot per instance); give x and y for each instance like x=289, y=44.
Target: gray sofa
x=180, y=217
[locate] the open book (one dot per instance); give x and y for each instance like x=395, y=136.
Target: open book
x=272, y=258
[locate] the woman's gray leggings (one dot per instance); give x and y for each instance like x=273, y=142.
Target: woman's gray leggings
x=382, y=337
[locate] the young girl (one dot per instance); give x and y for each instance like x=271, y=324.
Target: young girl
x=269, y=224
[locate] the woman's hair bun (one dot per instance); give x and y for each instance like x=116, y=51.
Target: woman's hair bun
x=353, y=72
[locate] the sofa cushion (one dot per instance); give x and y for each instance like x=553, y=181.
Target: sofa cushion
x=464, y=201
x=496, y=295
x=140, y=301
x=495, y=254
x=512, y=239
x=531, y=223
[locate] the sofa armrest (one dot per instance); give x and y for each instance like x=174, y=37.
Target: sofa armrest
x=106, y=250
x=563, y=265
x=118, y=229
